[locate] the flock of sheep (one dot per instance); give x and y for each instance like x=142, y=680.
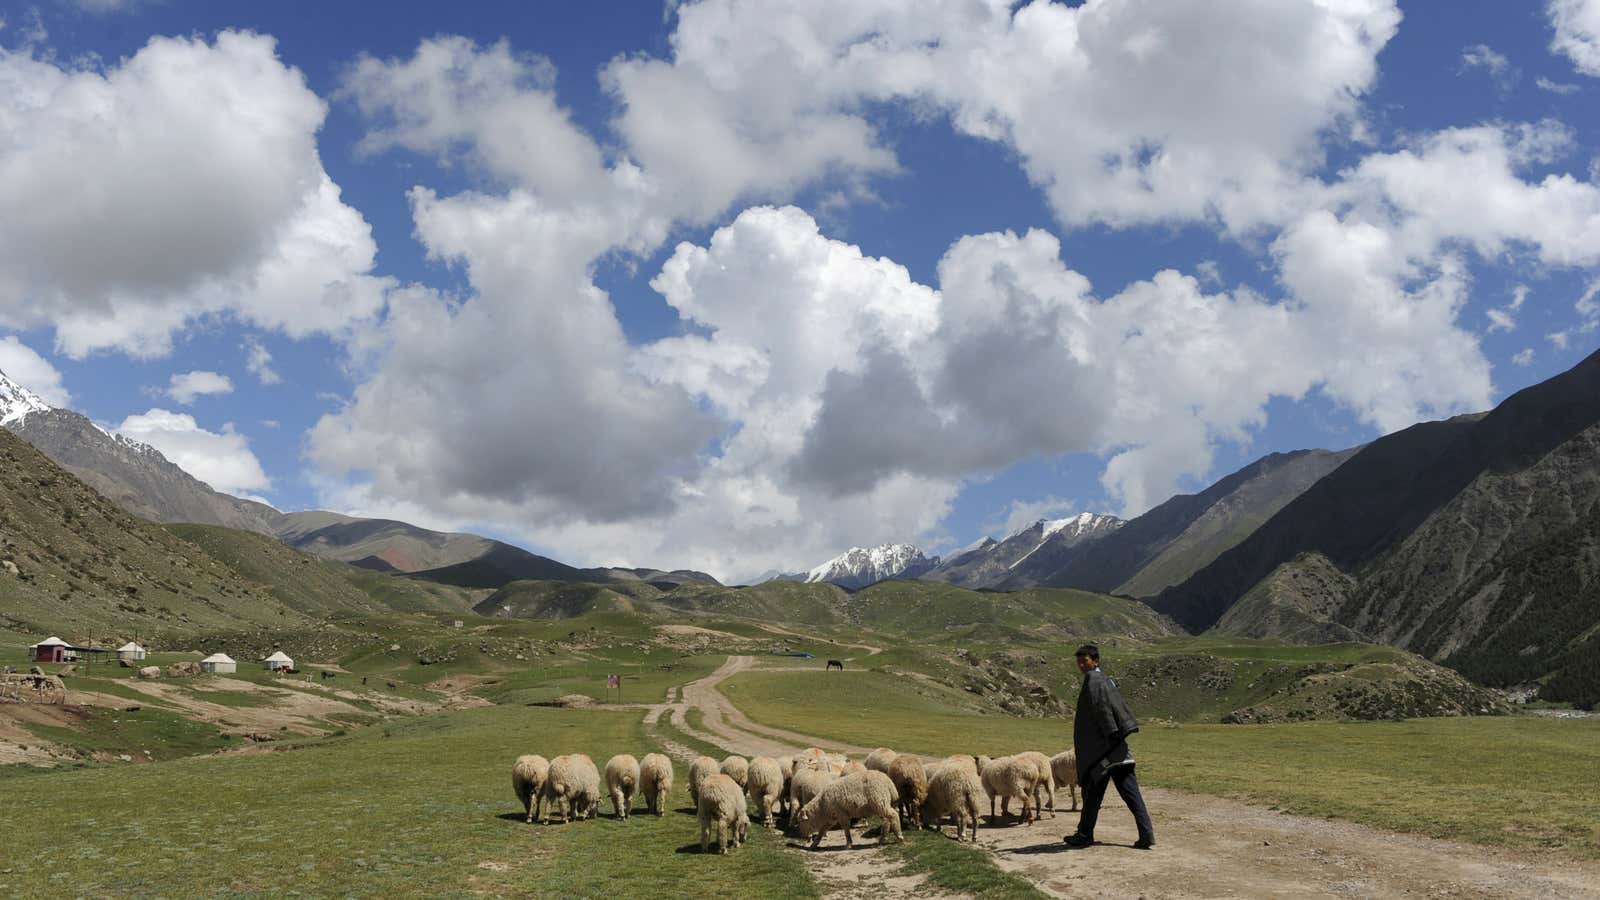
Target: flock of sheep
x=814, y=790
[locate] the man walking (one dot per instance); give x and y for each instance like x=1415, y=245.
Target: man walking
x=1100, y=738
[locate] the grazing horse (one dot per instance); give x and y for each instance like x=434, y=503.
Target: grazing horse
x=326, y=675
x=835, y=664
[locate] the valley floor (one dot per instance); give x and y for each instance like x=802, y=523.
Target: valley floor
x=1208, y=846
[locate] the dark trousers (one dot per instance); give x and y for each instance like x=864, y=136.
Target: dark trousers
x=1128, y=787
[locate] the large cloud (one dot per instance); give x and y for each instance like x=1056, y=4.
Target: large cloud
x=222, y=459
x=181, y=182
x=26, y=367
x=1123, y=112
x=1577, y=32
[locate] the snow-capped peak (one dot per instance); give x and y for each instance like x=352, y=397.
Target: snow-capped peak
x=860, y=566
x=1078, y=524
x=17, y=401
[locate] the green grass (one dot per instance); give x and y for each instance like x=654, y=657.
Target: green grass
x=253, y=699
x=415, y=808
x=1518, y=781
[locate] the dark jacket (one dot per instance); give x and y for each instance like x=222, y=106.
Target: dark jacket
x=1101, y=727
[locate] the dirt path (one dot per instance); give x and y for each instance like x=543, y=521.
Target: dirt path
x=1206, y=846
x=844, y=874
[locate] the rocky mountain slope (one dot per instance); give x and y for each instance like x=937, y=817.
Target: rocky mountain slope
x=1006, y=561
x=1175, y=539
x=142, y=481
x=1474, y=541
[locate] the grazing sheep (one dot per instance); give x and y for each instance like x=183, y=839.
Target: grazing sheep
x=851, y=767
x=527, y=779
x=1064, y=766
x=764, y=786
x=954, y=789
x=737, y=768
x=655, y=781
x=786, y=765
x=879, y=760
x=574, y=783
x=807, y=783
x=855, y=796
x=622, y=780
x=1045, y=790
x=699, y=771
x=910, y=785
x=1009, y=778
x=722, y=805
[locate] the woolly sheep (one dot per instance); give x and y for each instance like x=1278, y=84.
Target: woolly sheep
x=807, y=783
x=655, y=781
x=811, y=758
x=954, y=789
x=857, y=796
x=622, y=780
x=527, y=779
x=574, y=783
x=879, y=760
x=764, y=786
x=1064, y=767
x=1044, y=791
x=851, y=767
x=786, y=765
x=1009, y=778
x=700, y=770
x=722, y=806
x=737, y=768
x=910, y=785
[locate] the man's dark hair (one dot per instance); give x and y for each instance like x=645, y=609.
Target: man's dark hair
x=1090, y=651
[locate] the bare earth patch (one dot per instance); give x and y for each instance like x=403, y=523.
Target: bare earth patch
x=297, y=711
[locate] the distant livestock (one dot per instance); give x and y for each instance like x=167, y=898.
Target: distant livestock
x=722, y=806
x=859, y=796
x=655, y=781
x=1064, y=766
x=622, y=781
x=326, y=675
x=573, y=783
x=527, y=779
x=836, y=664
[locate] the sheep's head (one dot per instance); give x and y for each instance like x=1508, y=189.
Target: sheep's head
x=808, y=818
x=982, y=761
x=741, y=829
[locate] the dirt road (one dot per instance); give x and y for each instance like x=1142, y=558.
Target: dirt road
x=1206, y=846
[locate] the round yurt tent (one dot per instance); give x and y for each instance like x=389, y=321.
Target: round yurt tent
x=51, y=649
x=219, y=664
x=131, y=651
x=278, y=662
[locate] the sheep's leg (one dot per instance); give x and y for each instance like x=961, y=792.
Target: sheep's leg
x=816, y=839
x=1074, y=789
x=848, y=840
x=722, y=837
x=705, y=836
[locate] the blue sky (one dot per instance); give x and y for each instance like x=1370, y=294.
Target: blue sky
x=736, y=286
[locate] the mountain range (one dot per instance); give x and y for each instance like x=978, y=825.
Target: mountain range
x=138, y=478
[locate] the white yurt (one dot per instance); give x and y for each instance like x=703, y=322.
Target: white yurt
x=130, y=651
x=278, y=661
x=219, y=664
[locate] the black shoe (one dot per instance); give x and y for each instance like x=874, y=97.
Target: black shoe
x=1077, y=841
x=1144, y=843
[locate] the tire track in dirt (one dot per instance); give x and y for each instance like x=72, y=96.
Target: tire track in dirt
x=1206, y=846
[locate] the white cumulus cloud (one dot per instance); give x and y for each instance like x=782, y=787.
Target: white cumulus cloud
x=1577, y=32
x=205, y=146
x=222, y=459
x=26, y=367
x=185, y=386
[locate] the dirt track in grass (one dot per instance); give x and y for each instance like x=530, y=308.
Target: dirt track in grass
x=1206, y=846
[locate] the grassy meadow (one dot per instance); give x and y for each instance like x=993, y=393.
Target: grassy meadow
x=1520, y=781
x=421, y=807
